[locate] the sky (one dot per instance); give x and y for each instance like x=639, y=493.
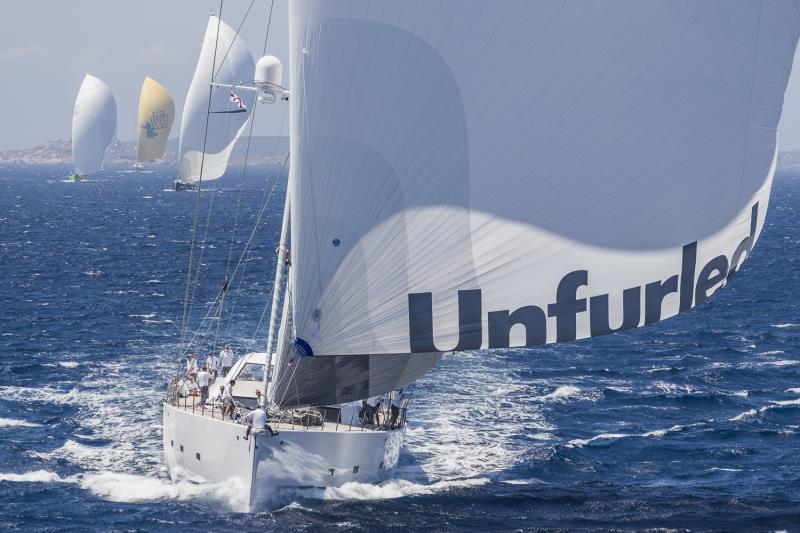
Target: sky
x=47, y=46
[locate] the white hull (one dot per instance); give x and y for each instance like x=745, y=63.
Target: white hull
x=217, y=451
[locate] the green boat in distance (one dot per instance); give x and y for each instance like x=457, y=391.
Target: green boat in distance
x=76, y=177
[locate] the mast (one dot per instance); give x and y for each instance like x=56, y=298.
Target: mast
x=277, y=292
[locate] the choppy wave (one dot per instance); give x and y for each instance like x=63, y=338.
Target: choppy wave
x=394, y=489
x=629, y=423
x=36, y=476
x=752, y=413
x=10, y=422
x=608, y=437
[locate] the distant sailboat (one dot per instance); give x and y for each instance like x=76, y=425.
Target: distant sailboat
x=156, y=113
x=94, y=123
x=227, y=113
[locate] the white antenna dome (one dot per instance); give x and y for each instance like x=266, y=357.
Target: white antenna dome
x=269, y=69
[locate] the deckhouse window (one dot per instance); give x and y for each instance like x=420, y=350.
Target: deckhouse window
x=251, y=372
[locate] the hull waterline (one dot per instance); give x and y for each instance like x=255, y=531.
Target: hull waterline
x=216, y=450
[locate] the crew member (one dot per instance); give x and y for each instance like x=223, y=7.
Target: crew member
x=226, y=359
x=228, y=405
x=203, y=381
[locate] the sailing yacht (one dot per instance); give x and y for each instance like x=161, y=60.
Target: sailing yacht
x=94, y=123
x=214, y=117
x=475, y=176
x=156, y=113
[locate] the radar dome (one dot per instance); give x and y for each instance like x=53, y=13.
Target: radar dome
x=269, y=69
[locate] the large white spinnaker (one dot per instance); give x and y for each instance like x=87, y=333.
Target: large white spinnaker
x=94, y=123
x=230, y=108
x=156, y=114
x=471, y=175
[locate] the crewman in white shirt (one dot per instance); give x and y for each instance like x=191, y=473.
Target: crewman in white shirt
x=211, y=363
x=226, y=359
x=191, y=365
x=191, y=386
x=228, y=405
x=257, y=420
x=203, y=381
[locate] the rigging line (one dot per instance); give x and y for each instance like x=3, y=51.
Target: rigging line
x=199, y=329
x=269, y=23
x=291, y=381
x=241, y=185
x=215, y=74
x=274, y=184
x=245, y=252
x=277, y=176
x=185, y=317
x=258, y=218
x=203, y=246
x=241, y=182
x=267, y=305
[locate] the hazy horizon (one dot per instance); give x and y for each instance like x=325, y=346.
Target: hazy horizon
x=48, y=47
x=47, y=55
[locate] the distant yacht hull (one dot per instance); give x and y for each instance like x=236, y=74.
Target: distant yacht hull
x=217, y=451
x=76, y=177
x=183, y=186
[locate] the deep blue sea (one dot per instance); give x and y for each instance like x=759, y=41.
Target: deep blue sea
x=691, y=423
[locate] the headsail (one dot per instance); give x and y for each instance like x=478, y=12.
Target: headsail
x=230, y=109
x=156, y=113
x=551, y=172
x=94, y=123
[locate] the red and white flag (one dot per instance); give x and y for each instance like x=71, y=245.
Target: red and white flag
x=238, y=101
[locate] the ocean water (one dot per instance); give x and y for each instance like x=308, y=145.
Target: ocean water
x=691, y=423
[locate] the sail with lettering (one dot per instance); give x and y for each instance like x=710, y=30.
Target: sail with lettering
x=228, y=111
x=504, y=175
x=94, y=124
x=156, y=113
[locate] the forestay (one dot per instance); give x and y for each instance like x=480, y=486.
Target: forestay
x=230, y=110
x=470, y=175
x=156, y=113
x=94, y=123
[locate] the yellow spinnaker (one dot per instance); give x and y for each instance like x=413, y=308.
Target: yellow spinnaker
x=156, y=113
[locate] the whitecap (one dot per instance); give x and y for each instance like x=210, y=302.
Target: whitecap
x=562, y=393
x=527, y=481
x=656, y=433
x=784, y=326
x=398, y=488
x=68, y=364
x=11, y=423
x=131, y=488
x=777, y=404
x=36, y=476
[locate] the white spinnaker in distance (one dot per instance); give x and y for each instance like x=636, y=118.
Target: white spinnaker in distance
x=499, y=147
x=156, y=114
x=229, y=114
x=94, y=123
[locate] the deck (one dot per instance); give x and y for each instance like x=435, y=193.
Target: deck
x=291, y=420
